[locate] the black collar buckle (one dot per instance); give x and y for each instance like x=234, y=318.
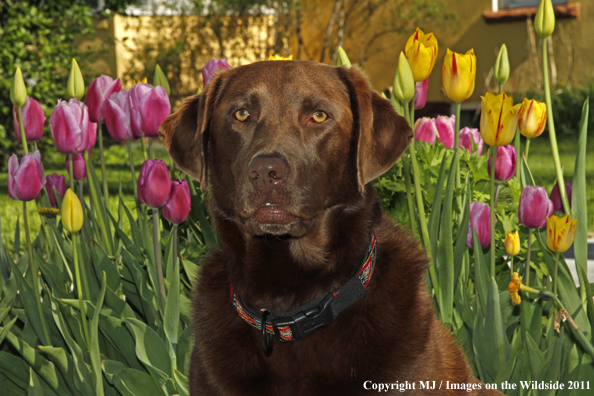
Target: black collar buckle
x=305, y=322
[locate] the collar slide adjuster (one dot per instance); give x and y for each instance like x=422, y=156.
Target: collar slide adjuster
x=305, y=322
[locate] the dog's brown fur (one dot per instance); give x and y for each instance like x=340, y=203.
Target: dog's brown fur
x=389, y=335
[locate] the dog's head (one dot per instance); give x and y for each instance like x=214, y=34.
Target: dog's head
x=281, y=142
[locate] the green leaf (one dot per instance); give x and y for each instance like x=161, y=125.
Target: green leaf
x=171, y=316
x=552, y=370
x=150, y=348
x=147, y=296
x=497, y=347
x=15, y=368
x=435, y=216
x=506, y=370
x=181, y=382
x=481, y=274
x=34, y=384
x=129, y=382
x=94, y=330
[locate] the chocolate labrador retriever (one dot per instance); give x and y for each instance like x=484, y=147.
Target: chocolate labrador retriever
x=289, y=149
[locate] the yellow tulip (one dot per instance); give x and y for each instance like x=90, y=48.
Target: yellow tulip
x=75, y=87
x=278, y=57
x=533, y=118
x=71, y=212
x=515, y=286
x=458, y=75
x=18, y=90
x=560, y=233
x=512, y=243
x=421, y=52
x=404, y=83
x=499, y=119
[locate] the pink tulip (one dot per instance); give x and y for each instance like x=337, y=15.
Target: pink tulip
x=154, y=183
x=211, y=67
x=534, y=208
x=148, y=108
x=69, y=124
x=556, y=197
x=99, y=90
x=92, y=135
x=178, y=207
x=116, y=111
x=33, y=120
x=26, y=180
x=421, y=93
x=480, y=221
x=505, y=167
x=425, y=130
x=445, y=128
x=59, y=182
x=468, y=136
x=79, y=171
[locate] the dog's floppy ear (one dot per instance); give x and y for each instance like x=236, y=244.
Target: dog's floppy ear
x=382, y=134
x=185, y=135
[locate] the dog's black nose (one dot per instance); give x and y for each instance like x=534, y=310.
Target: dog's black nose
x=268, y=172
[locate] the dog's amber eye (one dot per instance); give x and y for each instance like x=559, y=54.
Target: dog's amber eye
x=242, y=114
x=319, y=116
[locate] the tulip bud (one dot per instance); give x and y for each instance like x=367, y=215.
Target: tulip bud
x=33, y=120
x=501, y=68
x=544, y=21
x=160, y=80
x=71, y=212
x=421, y=53
x=555, y=197
x=211, y=67
x=480, y=221
x=18, y=90
x=425, y=130
x=26, y=180
x=470, y=136
x=446, y=128
x=154, y=184
x=69, y=124
x=99, y=90
x=534, y=207
x=59, y=182
x=116, y=111
x=560, y=233
x=149, y=106
x=421, y=93
x=505, y=164
x=404, y=83
x=343, y=59
x=499, y=119
x=178, y=207
x=79, y=171
x=458, y=74
x=76, y=85
x=512, y=243
x=532, y=118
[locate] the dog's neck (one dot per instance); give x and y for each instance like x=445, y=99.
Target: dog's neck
x=284, y=273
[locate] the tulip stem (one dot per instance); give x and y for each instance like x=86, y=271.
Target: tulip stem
x=132, y=166
x=175, y=226
x=527, y=148
x=511, y=264
x=71, y=171
x=500, y=88
x=493, y=206
x=551, y=125
x=103, y=171
x=79, y=291
x=163, y=294
x=143, y=148
x=35, y=146
x=409, y=199
x=150, y=148
x=23, y=136
x=457, y=164
x=555, y=274
x=35, y=275
x=527, y=270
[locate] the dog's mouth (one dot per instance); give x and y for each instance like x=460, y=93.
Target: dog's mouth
x=272, y=214
x=273, y=219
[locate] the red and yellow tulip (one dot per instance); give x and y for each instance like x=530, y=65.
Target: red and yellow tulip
x=560, y=233
x=421, y=53
x=532, y=118
x=499, y=118
x=458, y=75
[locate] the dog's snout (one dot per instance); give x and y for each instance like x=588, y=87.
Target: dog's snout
x=268, y=172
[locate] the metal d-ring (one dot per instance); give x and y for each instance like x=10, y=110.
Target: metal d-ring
x=266, y=338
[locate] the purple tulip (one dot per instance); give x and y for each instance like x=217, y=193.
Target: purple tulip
x=480, y=220
x=59, y=182
x=421, y=93
x=178, y=207
x=99, y=90
x=79, y=171
x=445, y=128
x=211, y=67
x=26, y=180
x=69, y=124
x=425, y=130
x=505, y=167
x=468, y=136
x=556, y=197
x=33, y=120
x=154, y=183
x=148, y=108
x=534, y=208
x=116, y=111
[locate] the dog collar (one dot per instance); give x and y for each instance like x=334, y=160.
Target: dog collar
x=301, y=322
